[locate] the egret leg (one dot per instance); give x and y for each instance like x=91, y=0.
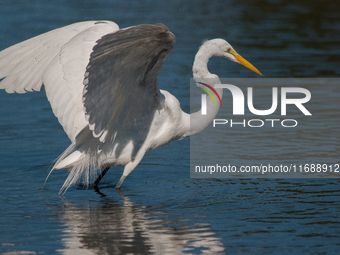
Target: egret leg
x=129, y=168
x=121, y=181
x=95, y=184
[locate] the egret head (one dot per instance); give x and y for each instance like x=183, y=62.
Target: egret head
x=221, y=48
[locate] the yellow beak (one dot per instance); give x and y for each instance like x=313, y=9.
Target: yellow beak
x=244, y=62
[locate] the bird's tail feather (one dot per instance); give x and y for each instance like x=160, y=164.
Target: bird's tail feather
x=84, y=167
x=83, y=170
x=67, y=152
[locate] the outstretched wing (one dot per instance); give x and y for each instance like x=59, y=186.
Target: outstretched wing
x=55, y=61
x=121, y=78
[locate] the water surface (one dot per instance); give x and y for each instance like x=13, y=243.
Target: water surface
x=161, y=210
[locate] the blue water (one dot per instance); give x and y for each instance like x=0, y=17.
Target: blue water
x=161, y=210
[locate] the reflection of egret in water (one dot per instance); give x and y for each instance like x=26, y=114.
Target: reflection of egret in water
x=120, y=229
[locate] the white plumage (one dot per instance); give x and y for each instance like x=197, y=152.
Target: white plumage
x=102, y=84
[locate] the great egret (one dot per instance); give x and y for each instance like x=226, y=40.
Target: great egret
x=101, y=82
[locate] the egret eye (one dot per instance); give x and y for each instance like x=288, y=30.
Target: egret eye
x=228, y=51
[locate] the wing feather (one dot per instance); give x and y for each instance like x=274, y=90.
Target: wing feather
x=55, y=61
x=23, y=56
x=121, y=77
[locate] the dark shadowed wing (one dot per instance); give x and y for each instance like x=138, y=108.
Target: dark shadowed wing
x=121, y=78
